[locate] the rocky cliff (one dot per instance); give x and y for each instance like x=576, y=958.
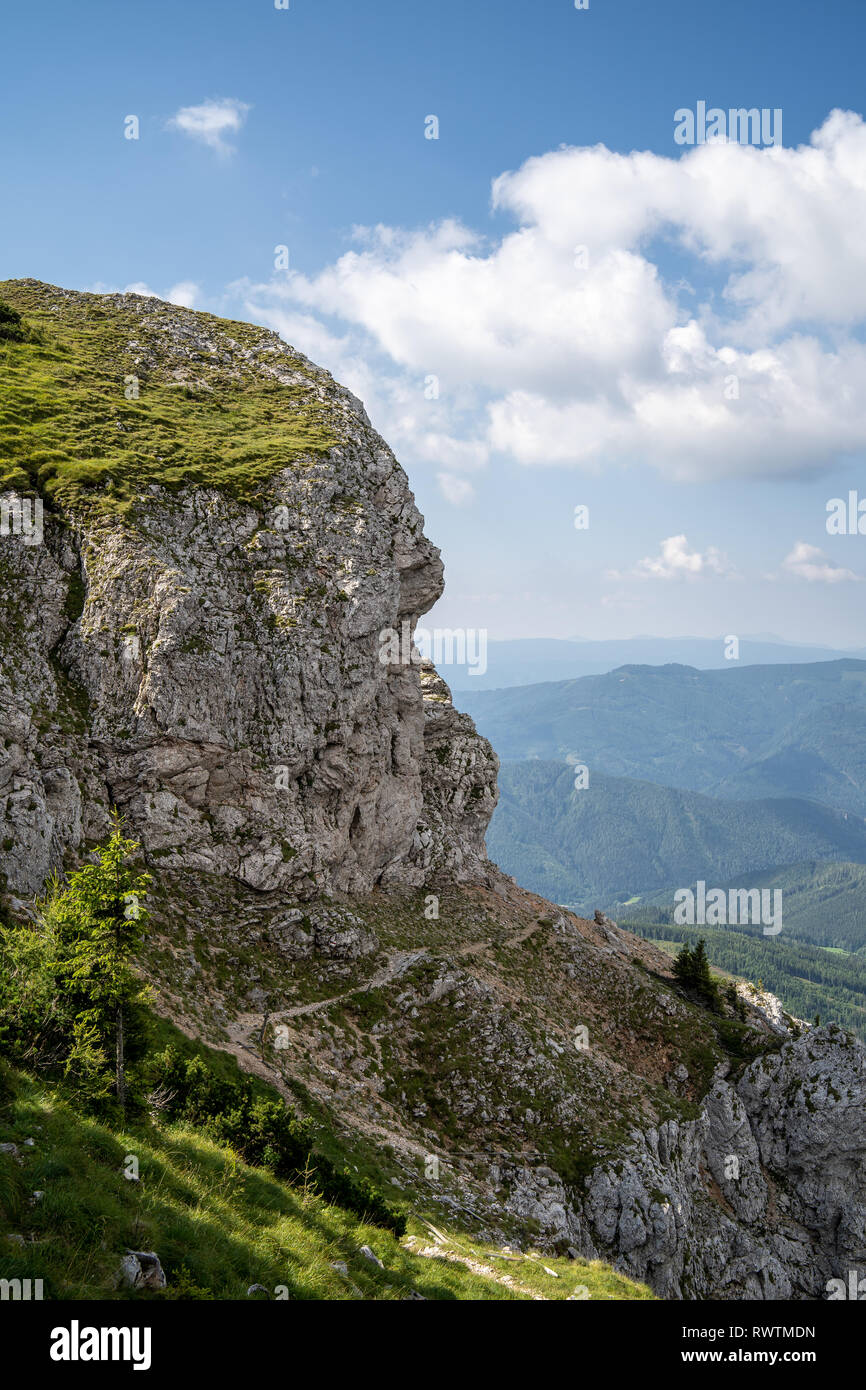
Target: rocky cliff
x=212, y=631
x=230, y=665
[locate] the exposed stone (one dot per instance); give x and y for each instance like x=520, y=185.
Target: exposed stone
x=760, y=1197
x=141, y=1269
x=226, y=661
x=369, y=1256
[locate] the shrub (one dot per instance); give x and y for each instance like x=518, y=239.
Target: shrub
x=12, y=327
x=262, y=1130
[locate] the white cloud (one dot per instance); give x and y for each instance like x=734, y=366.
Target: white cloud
x=136, y=287
x=561, y=342
x=397, y=401
x=212, y=121
x=454, y=489
x=810, y=563
x=184, y=293
x=676, y=561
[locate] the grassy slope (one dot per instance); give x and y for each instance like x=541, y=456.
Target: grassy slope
x=404, y=1068
x=68, y=429
x=219, y=1225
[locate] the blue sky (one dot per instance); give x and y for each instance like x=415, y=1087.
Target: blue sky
x=558, y=383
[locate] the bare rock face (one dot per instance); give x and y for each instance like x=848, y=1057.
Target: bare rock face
x=40, y=795
x=761, y=1197
x=460, y=789
x=807, y=1110
x=225, y=681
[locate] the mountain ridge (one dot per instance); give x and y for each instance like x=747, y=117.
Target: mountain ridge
x=531, y=661
x=619, y=837
x=734, y=734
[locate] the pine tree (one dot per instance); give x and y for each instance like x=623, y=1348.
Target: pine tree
x=684, y=968
x=692, y=969
x=704, y=982
x=97, y=922
x=701, y=964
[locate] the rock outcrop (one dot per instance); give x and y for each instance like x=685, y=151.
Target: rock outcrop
x=237, y=676
x=761, y=1197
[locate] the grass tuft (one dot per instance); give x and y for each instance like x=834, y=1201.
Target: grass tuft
x=208, y=409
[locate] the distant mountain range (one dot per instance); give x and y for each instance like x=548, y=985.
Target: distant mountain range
x=746, y=733
x=528, y=661
x=619, y=838
x=751, y=776
x=717, y=774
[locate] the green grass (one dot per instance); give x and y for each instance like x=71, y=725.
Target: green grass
x=217, y=1224
x=533, y=1273
x=70, y=433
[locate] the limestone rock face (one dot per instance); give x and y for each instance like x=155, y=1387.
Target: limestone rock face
x=225, y=681
x=761, y=1197
x=807, y=1111
x=40, y=793
x=459, y=776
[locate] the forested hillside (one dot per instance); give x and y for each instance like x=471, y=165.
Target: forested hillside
x=751, y=731
x=618, y=838
x=823, y=902
x=618, y=790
